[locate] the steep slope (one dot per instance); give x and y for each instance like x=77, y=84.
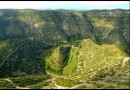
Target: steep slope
x=80, y=45
x=96, y=62
x=111, y=26
x=56, y=58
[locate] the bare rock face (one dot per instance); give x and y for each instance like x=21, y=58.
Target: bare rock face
x=39, y=30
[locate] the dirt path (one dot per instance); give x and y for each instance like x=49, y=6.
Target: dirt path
x=55, y=75
x=60, y=87
x=83, y=84
x=89, y=84
x=17, y=87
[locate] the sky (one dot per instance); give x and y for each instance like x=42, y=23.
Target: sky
x=71, y=5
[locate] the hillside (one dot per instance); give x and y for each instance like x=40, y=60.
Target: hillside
x=67, y=47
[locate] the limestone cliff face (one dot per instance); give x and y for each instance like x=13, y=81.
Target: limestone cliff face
x=64, y=24
x=41, y=29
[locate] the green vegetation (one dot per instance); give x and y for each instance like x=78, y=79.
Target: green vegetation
x=6, y=85
x=56, y=58
x=96, y=61
x=28, y=80
x=33, y=82
x=106, y=23
x=3, y=47
x=72, y=62
x=79, y=46
x=39, y=85
x=66, y=82
x=82, y=87
x=51, y=63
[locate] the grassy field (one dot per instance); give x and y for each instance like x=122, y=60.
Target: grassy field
x=72, y=62
x=56, y=58
x=66, y=82
x=50, y=64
